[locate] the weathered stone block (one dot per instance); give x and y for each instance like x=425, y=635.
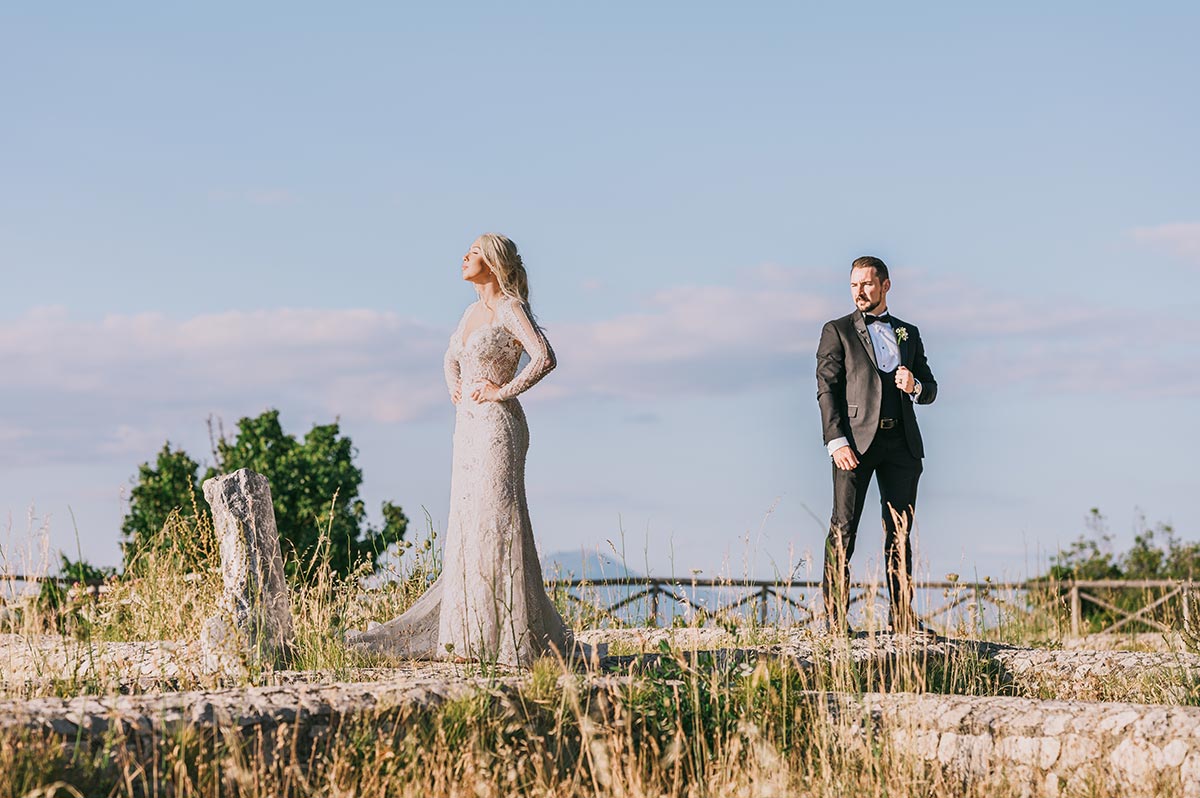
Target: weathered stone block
x=1189, y=775
x=255, y=601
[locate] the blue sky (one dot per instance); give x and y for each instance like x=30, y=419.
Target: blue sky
x=220, y=209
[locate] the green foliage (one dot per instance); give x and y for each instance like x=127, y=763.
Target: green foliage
x=66, y=600
x=314, y=490
x=1169, y=559
x=314, y=487
x=1157, y=554
x=170, y=484
x=170, y=587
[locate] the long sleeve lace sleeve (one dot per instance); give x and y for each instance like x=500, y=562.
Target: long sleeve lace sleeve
x=515, y=318
x=450, y=363
x=453, y=372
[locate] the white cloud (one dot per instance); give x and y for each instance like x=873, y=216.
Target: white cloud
x=1182, y=239
x=94, y=388
x=78, y=388
x=695, y=338
x=13, y=434
x=763, y=331
x=984, y=340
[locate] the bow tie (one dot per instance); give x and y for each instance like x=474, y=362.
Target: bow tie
x=869, y=319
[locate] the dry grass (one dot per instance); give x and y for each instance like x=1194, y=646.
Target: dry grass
x=670, y=722
x=681, y=728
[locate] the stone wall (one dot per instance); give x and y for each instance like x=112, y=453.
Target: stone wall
x=1049, y=747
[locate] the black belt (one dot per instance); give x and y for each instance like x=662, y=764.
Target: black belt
x=889, y=423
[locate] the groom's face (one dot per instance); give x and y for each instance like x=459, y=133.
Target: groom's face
x=867, y=290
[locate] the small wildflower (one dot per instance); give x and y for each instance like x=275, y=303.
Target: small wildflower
x=901, y=333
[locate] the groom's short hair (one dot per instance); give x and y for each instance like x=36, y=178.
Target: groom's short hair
x=871, y=262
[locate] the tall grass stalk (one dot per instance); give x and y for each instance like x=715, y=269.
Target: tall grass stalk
x=678, y=724
x=672, y=720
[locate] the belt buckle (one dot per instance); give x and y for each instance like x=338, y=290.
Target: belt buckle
x=887, y=423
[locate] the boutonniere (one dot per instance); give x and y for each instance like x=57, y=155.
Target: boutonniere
x=901, y=333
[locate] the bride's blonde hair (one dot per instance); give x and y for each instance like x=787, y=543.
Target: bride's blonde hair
x=501, y=256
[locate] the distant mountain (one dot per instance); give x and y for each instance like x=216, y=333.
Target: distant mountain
x=583, y=564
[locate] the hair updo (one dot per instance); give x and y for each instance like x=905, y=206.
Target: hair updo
x=501, y=256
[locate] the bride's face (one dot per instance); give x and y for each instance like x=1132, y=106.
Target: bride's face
x=474, y=270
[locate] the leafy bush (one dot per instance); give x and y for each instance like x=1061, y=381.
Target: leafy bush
x=314, y=490
x=1158, y=553
x=67, y=601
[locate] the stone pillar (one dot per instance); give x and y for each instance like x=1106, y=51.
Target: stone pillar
x=257, y=609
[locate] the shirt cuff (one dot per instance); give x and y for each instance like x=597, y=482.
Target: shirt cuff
x=916, y=390
x=836, y=444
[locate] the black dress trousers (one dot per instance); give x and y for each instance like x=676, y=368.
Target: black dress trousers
x=891, y=461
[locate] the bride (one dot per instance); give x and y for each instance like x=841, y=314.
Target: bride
x=489, y=603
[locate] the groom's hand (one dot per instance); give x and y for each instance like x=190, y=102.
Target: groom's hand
x=845, y=459
x=905, y=380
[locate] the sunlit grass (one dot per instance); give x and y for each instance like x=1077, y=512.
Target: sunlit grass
x=677, y=714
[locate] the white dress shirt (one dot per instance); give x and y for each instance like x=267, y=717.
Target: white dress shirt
x=887, y=356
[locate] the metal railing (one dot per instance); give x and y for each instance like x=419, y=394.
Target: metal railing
x=8, y=581
x=1089, y=606
x=1085, y=591
x=1083, y=607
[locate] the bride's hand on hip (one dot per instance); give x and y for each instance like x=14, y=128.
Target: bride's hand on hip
x=485, y=391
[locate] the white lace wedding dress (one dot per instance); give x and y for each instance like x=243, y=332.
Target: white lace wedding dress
x=489, y=603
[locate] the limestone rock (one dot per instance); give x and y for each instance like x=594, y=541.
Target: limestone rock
x=255, y=601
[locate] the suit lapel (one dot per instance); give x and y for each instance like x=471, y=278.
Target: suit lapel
x=860, y=327
x=901, y=342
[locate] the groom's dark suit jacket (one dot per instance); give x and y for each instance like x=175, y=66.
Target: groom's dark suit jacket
x=849, y=386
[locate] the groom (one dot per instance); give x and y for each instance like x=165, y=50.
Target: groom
x=871, y=371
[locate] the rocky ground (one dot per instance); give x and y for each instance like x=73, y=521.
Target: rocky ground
x=1058, y=741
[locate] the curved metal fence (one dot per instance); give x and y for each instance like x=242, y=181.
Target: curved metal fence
x=1063, y=608
x=1066, y=607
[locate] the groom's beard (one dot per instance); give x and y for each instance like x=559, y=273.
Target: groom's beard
x=870, y=307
